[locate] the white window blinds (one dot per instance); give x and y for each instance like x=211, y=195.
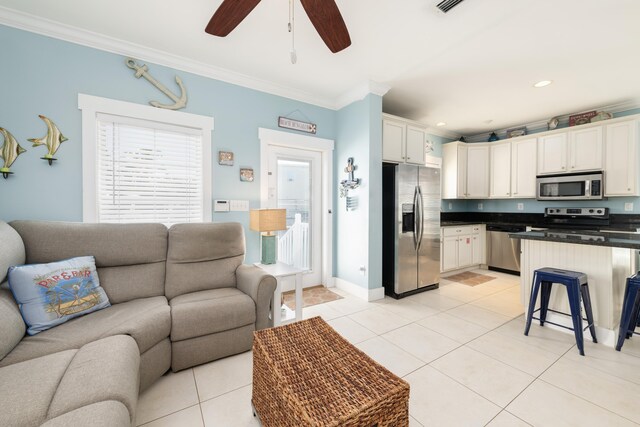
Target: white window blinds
x=148, y=172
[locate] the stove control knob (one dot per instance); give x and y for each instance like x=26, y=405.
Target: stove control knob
x=590, y=210
x=599, y=211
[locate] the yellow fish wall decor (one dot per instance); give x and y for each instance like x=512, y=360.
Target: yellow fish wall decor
x=9, y=152
x=52, y=139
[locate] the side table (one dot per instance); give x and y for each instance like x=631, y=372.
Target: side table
x=283, y=315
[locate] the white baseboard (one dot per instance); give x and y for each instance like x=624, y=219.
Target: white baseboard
x=359, y=291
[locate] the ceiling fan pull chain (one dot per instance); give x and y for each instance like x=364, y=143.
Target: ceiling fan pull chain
x=293, y=55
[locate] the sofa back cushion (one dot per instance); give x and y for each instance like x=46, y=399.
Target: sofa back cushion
x=203, y=256
x=130, y=258
x=12, y=327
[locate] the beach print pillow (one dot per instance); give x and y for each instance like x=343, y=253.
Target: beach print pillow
x=50, y=294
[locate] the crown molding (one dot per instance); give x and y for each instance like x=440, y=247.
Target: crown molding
x=563, y=120
x=49, y=28
x=444, y=133
x=360, y=92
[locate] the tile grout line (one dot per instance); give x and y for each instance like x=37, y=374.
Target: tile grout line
x=195, y=381
x=164, y=416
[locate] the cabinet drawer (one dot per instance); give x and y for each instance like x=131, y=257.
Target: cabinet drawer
x=457, y=231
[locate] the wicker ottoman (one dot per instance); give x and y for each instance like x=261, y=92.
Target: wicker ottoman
x=306, y=374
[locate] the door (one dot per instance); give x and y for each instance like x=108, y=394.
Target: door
x=552, y=154
x=477, y=171
x=393, y=135
x=500, y=160
x=449, y=253
x=585, y=149
x=295, y=184
x=523, y=168
x=407, y=183
x=415, y=145
x=428, y=226
x=621, y=161
x=465, y=251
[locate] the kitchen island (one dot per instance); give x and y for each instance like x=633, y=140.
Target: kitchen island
x=607, y=259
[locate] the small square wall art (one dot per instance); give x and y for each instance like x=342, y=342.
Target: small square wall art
x=225, y=158
x=246, y=175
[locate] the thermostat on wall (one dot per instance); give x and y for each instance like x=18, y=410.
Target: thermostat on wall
x=221, y=206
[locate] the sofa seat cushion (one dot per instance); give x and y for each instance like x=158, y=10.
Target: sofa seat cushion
x=40, y=389
x=107, y=369
x=102, y=414
x=147, y=320
x=27, y=388
x=207, y=312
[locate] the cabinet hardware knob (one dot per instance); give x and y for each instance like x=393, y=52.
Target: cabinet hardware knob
x=629, y=189
x=563, y=167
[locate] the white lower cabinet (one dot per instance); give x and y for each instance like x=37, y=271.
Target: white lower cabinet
x=462, y=247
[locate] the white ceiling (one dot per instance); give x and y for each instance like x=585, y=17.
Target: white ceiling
x=474, y=64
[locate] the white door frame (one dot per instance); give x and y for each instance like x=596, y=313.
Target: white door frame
x=270, y=137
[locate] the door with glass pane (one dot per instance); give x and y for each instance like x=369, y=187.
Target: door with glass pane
x=295, y=185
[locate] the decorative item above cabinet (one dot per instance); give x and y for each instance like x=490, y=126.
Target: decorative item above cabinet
x=404, y=142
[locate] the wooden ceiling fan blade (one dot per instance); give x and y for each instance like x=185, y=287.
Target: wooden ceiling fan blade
x=326, y=17
x=229, y=15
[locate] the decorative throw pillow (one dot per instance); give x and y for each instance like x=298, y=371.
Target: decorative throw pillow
x=51, y=294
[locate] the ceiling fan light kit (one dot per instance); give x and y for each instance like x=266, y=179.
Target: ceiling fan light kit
x=323, y=14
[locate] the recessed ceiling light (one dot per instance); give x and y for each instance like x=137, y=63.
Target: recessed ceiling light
x=441, y=124
x=543, y=83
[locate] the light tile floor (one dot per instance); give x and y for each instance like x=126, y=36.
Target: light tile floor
x=462, y=350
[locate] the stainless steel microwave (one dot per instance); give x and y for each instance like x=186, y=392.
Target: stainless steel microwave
x=570, y=187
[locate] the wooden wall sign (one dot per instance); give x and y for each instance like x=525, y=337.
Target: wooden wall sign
x=286, y=123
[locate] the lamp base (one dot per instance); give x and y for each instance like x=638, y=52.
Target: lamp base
x=268, y=249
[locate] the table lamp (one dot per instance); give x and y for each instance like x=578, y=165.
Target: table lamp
x=268, y=220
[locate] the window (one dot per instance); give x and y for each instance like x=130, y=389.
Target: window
x=143, y=164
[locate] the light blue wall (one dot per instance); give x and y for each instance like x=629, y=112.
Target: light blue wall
x=41, y=75
x=357, y=232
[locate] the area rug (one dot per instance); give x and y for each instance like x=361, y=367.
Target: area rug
x=470, y=279
x=310, y=296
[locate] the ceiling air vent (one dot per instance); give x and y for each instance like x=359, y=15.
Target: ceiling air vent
x=446, y=5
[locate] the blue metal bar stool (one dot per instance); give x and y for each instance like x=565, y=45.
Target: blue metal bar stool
x=629, y=318
x=577, y=289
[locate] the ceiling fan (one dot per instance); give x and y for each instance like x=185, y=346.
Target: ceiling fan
x=324, y=15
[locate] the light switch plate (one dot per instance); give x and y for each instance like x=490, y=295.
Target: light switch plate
x=239, y=205
x=628, y=207
x=520, y=206
x=480, y=206
x=450, y=205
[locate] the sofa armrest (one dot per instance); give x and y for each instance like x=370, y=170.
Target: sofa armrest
x=260, y=286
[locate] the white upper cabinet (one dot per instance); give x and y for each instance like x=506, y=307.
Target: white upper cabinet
x=523, y=168
x=454, y=170
x=416, y=139
x=621, y=159
x=477, y=171
x=585, y=149
x=393, y=137
x=500, y=170
x=552, y=154
x=403, y=142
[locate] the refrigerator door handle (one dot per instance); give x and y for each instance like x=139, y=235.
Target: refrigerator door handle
x=420, y=218
x=415, y=218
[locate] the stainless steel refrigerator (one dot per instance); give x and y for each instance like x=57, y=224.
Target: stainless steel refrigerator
x=410, y=228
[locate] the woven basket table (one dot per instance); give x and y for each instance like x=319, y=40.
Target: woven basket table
x=306, y=374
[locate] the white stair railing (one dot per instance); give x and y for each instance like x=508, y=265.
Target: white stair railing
x=293, y=246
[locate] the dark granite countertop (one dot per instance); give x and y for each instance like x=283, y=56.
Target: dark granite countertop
x=593, y=238
x=618, y=222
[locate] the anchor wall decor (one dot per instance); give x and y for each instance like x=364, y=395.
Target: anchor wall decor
x=9, y=152
x=51, y=140
x=142, y=71
x=350, y=183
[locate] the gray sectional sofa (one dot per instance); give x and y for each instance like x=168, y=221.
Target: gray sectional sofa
x=180, y=297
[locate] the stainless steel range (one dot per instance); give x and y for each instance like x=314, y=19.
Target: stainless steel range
x=576, y=218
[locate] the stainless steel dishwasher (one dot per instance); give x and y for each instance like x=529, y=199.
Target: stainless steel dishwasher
x=503, y=253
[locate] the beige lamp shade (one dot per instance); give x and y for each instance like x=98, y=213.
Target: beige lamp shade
x=268, y=219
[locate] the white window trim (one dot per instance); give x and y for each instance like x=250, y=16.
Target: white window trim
x=91, y=106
